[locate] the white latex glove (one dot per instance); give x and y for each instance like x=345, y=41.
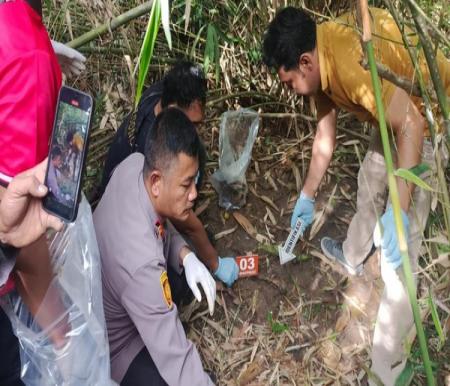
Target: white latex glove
x=70, y=60
x=196, y=272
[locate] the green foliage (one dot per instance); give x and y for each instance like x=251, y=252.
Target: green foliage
x=271, y=249
x=443, y=248
x=409, y=176
x=395, y=200
x=69, y=119
x=160, y=12
x=212, y=52
x=255, y=55
x=68, y=113
x=414, y=368
x=436, y=321
x=418, y=170
x=276, y=327
x=303, y=257
x=147, y=47
x=165, y=20
x=406, y=376
x=239, y=26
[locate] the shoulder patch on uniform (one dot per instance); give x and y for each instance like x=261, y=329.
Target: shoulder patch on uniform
x=165, y=286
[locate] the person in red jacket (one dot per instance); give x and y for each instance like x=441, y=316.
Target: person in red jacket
x=30, y=79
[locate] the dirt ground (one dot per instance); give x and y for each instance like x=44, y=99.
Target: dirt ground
x=279, y=327
x=301, y=323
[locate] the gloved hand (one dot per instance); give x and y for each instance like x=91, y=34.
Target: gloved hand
x=227, y=271
x=70, y=60
x=304, y=209
x=389, y=241
x=196, y=272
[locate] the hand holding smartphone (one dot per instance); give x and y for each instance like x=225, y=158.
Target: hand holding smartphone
x=68, y=149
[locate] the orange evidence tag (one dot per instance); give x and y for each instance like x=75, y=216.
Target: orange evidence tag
x=248, y=265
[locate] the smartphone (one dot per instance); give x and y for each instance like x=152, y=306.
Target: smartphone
x=67, y=153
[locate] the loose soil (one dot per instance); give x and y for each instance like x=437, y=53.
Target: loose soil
x=304, y=296
x=305, y=322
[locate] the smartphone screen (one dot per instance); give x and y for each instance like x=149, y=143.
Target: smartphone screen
x=67, y=153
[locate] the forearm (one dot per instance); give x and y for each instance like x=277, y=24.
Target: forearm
x=408, y=126
x=318, y=166
x=194, y=230
x=409, y=155
x=323, y=145
x=206, y=252
x=33, y=277
x=322, y=153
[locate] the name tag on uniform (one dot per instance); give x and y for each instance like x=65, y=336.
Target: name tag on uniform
x=248, y=265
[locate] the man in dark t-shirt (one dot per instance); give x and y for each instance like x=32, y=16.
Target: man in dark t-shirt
x=184, y=87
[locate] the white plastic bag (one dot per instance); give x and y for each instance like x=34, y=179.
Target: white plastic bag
x=238, y=131
x=75, y=298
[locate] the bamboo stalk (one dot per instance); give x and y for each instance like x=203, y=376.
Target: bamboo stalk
x=423, y=90
x=111, y=25
x=443, y=193
x=393, y=191
x=435, y=29
x=442, y=99
x=288, y=115
x=432, y=65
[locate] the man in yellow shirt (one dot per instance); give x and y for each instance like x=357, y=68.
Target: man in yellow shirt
x=323, y=61
x=74, y=147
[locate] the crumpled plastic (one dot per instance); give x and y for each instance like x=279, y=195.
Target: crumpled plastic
x=238, y=131
x=75, y=298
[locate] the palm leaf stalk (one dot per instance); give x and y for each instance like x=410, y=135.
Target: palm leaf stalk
x=147, y=48
x=160, y=13
x=393, y=192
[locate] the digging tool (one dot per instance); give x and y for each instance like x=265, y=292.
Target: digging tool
x=285, y=251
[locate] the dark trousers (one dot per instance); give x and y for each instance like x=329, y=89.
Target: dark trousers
x=9, y=354
x=142, y=370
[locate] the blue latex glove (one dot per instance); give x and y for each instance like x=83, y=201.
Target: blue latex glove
x=304, y=209
x=388, y=241
x=227, y=271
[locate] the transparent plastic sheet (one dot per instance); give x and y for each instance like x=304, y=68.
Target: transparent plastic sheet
x=74, y=312
x=238, y=131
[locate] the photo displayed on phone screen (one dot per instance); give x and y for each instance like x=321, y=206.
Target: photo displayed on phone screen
x=66, y=156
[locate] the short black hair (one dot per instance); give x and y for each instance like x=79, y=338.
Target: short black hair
x=184, y=84
x=290, y=34
x=56, y=151
x=171, y=134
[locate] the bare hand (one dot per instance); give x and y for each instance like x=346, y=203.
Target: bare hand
x=22, y=217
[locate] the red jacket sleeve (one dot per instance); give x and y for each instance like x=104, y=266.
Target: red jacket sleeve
x=29, y=86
